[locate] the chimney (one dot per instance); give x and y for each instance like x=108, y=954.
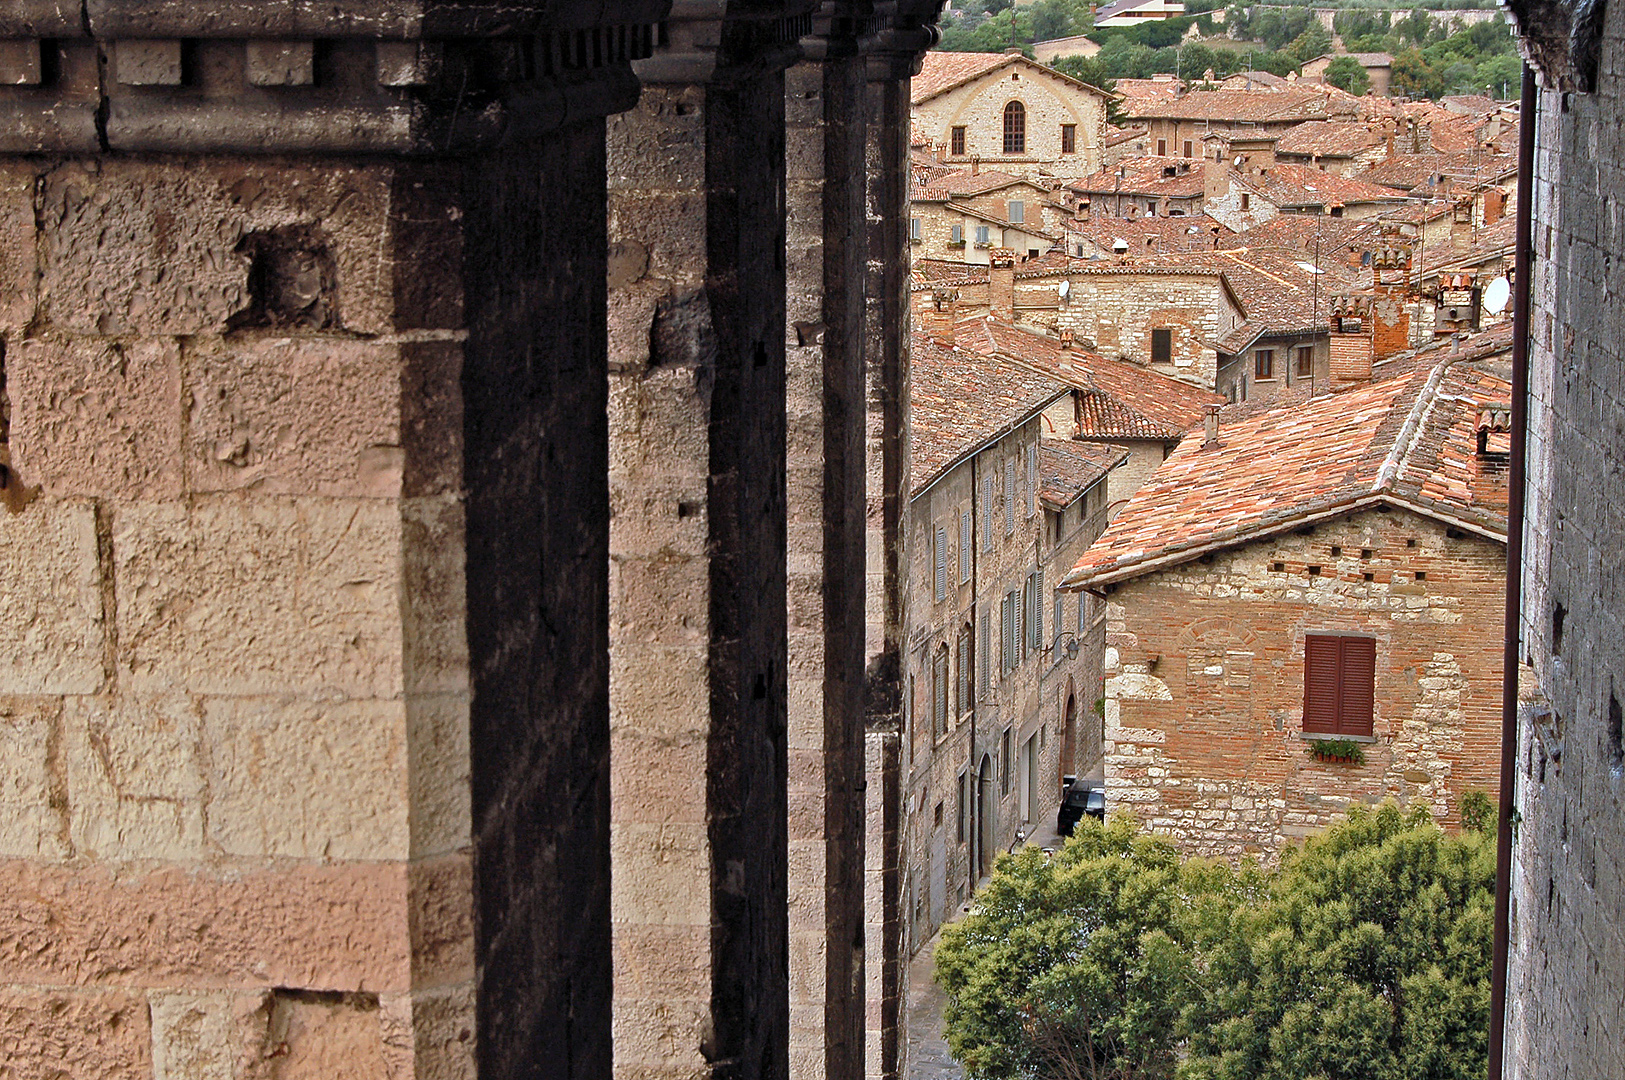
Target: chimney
x=1210, y=427
x=937, y=312
x=940, y=150
x=1066, y=349
x=975, y=165
x=1001, y=284
x=1351, y=342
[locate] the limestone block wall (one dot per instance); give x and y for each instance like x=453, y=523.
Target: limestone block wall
x=1049, y=100
x=1204, y=681
x=235, y=702
x=1566, y=983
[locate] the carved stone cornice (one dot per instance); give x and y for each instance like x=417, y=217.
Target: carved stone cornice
x=1562, y=40
x=707, y=41
x=421, y=77
x=900, y=34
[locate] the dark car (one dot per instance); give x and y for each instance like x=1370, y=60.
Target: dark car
x=1080, y=797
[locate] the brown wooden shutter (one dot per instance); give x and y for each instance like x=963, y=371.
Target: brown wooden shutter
x=1357, y=690
x=1321, y=661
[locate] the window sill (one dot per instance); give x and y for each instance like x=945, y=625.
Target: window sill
x=1266, y=378
x=1328, y=736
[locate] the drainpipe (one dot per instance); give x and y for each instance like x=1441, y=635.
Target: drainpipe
x=1514, y=608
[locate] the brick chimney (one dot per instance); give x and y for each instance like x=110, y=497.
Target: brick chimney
x=1066, y=362
x=1351, y=339
x=975, y=165
x=936, y=311
x=1001, y=284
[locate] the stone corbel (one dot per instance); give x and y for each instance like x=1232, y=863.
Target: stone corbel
x=1562, y=40
x=706, y=41
x=900, y=34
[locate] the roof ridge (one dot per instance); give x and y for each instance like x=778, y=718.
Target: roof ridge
x=1400, y=454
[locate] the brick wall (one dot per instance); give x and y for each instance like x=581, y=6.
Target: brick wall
x=1204, y=681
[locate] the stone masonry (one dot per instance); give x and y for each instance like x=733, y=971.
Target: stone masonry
x=326, y=709
x=1566, y=983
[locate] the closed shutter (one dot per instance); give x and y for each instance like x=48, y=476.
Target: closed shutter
x=964, y=547
x=1320, y=663
x=1020, y=604
x=1032, y=478
x=986, y=646
x=1038, y=610
x=1006, y=638
x=939, y=692
x=1060, y=610
x=942, y=563
x=1010, y=496
x=987, y=513
x=1358, y=690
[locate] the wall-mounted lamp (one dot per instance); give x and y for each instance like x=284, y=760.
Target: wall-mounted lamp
x=1069, y=641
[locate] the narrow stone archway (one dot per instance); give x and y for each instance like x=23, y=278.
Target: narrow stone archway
x=987, y=809
x=1069, y=737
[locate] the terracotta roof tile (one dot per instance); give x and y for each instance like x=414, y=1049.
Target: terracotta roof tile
x=1154, y=234
x=1411, y=440
x=1233, y=106
x=962, y=183
x=940, y=71
x=1328, y=138
x=960, y=399
x=1289, y=184
x=1276, y=288
x=1068, y=468
x=1146, y=176
x=1117, y=400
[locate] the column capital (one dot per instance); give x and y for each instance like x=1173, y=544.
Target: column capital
x=1562, y=40
x=416, y=77
x=900, y=33
x=704, y=41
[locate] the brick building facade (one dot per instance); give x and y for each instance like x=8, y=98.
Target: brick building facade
x=1375, y=521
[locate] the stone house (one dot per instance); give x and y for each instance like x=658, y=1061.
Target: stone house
x=1009, y=112
x=1113, y=403
x=995, y=701
x=1341, y=147
x=966, y=214
x=1378, y=65
x=1340, y=592
x=1177, y=125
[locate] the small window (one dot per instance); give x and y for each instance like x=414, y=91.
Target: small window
x=1339, y=682
x=981, y=235
x=1264, y=364
x=1188, y=148
x=964, y=666
x=964, y=808
x=956, y=142
x=1337, y=211
x=1303, y=361
x=1015, y=128
x=984, y=653
x=1246, y=201
x=1162, y=345
x=914, y=229
x=987, y=512
x=956, y=234
x=1018, y=212
x=1069, y=138
x=1009, y=496
x=939, y=692
x=942, y=564
x=937, y=816
x=964, y=546
x=1162, y=147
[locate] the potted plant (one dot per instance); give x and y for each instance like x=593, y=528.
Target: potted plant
x=1337, y=750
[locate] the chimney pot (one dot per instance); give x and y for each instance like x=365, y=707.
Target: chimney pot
x=1210, y=427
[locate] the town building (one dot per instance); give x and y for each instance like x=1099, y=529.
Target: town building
x=1341, y=147
x=1311, y=573
x=1011, y=113
x=1136, y=12
x=967, y=213
x=1379, y=66
x=1001, y=670
x=1176, y=125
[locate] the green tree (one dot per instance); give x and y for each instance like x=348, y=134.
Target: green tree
x=1412, y=74
x=1369, y=960
x=1080, y=966
x=1347, y=73
x=1060, y=18
x=1315, y=41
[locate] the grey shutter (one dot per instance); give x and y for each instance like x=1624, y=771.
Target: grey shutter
x=987, y=513
x=1007, y=621
x=942, y=563
x=1018, y=212
x=1009, y=496
x=964, y=546
x=1038, y=610
x=986, y=658
x=1021, y=625
x=1032, y=479
x=939, y=691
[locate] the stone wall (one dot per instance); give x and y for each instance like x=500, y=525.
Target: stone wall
x=1049, y=100
x=1204, y=680
x=1566, y=984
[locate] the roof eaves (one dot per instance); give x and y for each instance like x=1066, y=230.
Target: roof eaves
x=948, y=466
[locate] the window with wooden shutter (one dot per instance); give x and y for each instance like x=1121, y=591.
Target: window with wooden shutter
x=1007, y=621
x=939, y=692
x=965, y=677
x=1032, y=479
x=986, y=651
x=1009, y=496
x=956, y=141
x=964, y=546
x=942, y=562
x=1162, y=345
x=1060, y=614
x=1018, y=600
x=1339, y=684
x=1038, y=610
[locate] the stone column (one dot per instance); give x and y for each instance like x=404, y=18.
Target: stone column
x=697, y=476
x=825, y=258
x=900, y=34
x=304, y=697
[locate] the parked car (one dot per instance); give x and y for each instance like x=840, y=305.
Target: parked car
x=1080, y=797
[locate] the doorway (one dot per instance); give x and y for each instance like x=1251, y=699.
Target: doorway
x=1069, y=739
x=986, y=811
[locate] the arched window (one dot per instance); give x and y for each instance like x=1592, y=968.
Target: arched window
x=1015, y=128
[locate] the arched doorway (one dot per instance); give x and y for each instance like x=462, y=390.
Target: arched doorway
x=1069, y=737
x=987, y=808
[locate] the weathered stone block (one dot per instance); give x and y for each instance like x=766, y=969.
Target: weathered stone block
x=167, y=248
x=20, y=62
x=436, y=1027
x=31, y=824
x=18, y=262
x=135, y=788
x=307, y=780
x=671, y=885
x=295, y=416
x=434, y=608
x=45, y=1034
x=322, y=1036
x=199, y=1035
x=230, y=597
x=97, y=418
x=281, y=63
x=147, y=63
x=437, y=749
x=51, y=639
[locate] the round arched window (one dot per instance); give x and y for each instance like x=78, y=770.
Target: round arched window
x=1015, y=128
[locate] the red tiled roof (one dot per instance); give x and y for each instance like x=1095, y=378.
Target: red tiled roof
x=1145, y=176
x=962, y=183
x=1328, y=138
x=1277, y=293
x=943, y=272
x=961, y=399
x=1288, y=184
x=1118, y=400
x=941, y=71
x=1410, y=441
x=1154, y=234
x=1233, y=106
x=1067, y=468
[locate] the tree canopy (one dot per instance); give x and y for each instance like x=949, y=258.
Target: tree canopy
x=1363, y=956
x=1347, y=73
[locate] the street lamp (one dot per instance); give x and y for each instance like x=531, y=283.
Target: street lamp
x=1067, y=640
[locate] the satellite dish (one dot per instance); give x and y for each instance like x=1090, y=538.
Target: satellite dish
x=1496, y=295
x=1308, y=268
x=1239, y=160
x=1066, y=289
